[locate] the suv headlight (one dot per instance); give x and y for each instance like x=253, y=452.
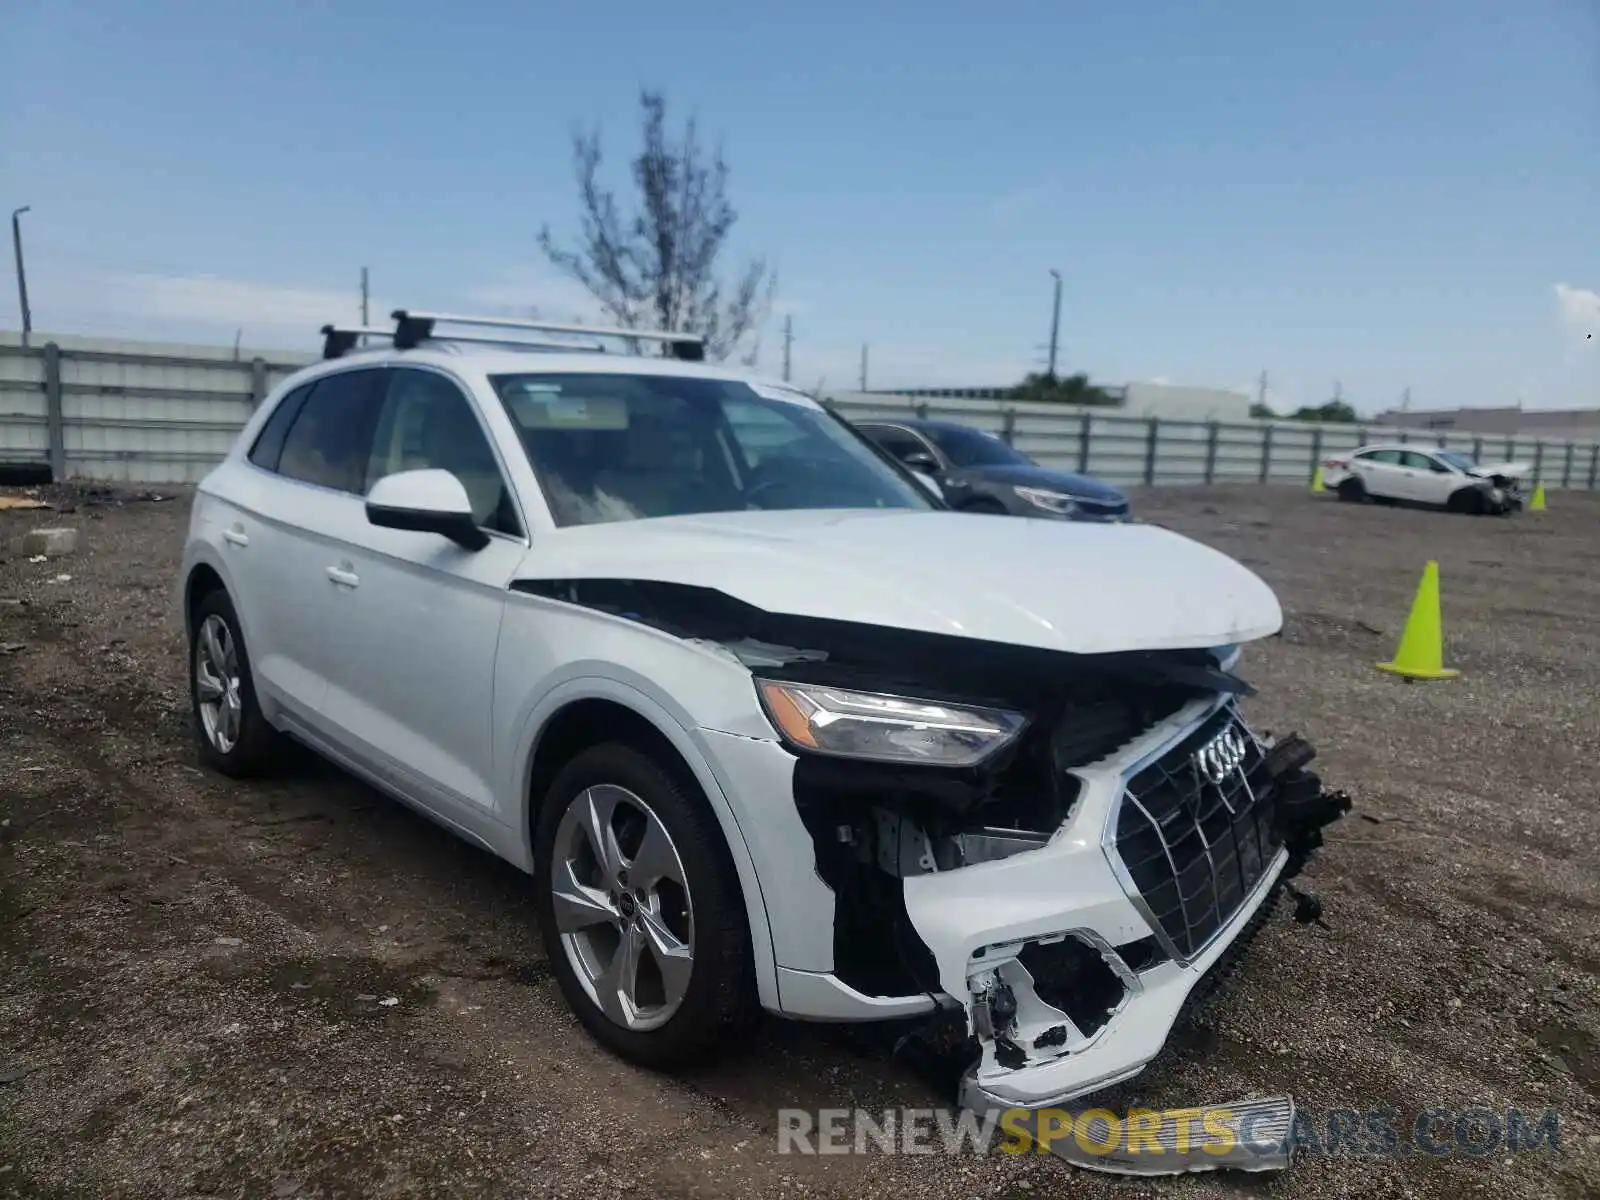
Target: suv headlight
x=868, y=725
x=1056, y=502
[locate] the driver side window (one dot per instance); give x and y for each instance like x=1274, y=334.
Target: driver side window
x=427, y=422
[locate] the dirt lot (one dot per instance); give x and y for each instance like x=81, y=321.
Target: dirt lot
x=194, y=974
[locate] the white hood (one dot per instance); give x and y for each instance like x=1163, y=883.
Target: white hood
x=1057, y=585
x=1514, y=469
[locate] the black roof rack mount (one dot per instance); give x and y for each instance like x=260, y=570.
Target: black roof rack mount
x=337, y=342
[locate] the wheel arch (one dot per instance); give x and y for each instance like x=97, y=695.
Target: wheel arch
x=201, y=581
x=590, y=710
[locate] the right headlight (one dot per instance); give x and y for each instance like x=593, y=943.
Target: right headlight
x=1050, y=501
x=881, y=728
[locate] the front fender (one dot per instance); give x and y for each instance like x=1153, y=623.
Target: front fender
x=673, y=723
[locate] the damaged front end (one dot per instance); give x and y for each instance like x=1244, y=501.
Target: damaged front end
x=1062, y=851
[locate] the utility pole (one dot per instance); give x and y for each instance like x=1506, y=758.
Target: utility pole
x=1055, y=322
x=1261, y=391
x=1338, y=390
x=1405, y=400
x=863, y=366
x=364, y=295
x=788, y=340
x=22, y=272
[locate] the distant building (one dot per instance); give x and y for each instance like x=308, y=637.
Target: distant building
x=1557, y=424
x=1172, y=402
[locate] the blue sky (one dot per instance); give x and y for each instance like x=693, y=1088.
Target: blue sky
x=1387, y=195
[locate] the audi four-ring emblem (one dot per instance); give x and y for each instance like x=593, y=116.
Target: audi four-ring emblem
x=1221, y=756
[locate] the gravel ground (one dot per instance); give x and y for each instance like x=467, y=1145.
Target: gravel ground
x=196, y=976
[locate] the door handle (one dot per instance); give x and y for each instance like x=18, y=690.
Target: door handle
x=236, y=537
x=344, y=578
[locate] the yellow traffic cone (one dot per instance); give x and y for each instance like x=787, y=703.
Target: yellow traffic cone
x=1537, y=503
x=1316, y=480
x=1421, y=652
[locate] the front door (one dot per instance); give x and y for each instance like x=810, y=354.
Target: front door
x=413, y=684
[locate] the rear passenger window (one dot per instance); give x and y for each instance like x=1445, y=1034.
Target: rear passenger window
x=269, y=444
x=331, y=438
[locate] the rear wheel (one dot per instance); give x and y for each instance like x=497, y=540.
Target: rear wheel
x=640, y=910
x=1352, y=490
x=230, y=732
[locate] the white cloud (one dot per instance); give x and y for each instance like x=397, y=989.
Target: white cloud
x=212, y=309
x=1580, y=310
x=889, y=365
x=523, y=292
x=203, y=309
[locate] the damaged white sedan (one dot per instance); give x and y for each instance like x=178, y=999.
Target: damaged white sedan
x=767, y=725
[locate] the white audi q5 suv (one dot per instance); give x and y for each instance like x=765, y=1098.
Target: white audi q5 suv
x=766, y=724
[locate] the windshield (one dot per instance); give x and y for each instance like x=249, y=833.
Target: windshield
x=1456, y=459
x=974, y=447
x=614, y=447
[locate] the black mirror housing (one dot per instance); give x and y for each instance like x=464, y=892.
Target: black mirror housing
x=460, y=528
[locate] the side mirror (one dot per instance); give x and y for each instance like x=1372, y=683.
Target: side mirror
x=921, y=460
x=430, y=501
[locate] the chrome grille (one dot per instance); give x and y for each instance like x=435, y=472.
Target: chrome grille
x=1197, y=830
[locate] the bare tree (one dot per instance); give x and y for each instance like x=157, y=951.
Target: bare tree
x=657, y=264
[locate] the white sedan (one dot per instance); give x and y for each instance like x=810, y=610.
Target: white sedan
x=1409, y=474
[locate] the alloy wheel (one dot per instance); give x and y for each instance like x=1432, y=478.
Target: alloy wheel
x=216, y=678
x=622, y=907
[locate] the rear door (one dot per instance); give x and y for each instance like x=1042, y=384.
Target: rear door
x=1381, y=472
x=308, y=473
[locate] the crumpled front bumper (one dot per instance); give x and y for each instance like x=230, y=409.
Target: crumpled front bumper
x=976, y=919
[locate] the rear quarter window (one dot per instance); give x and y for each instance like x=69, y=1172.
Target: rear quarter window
x=268, y=446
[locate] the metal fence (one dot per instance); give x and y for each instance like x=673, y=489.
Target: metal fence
x=1132, y=450
x=127, y=411
x=131, y=411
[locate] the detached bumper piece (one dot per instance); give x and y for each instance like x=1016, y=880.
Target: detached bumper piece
x=1305, y=808
x=1248, y=1135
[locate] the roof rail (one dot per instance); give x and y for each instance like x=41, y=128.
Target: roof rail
x=413, y=327
x=337, y=342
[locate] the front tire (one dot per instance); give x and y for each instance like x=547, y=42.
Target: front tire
x=231, y=734
x=640, y=910
x=1468, y=500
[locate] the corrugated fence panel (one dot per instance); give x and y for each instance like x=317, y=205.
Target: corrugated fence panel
x=130, y=411
x=157, y=421
x=24, y=436
x=1119, y=448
